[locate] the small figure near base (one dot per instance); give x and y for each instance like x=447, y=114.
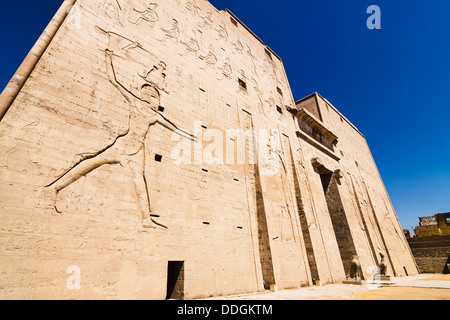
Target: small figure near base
x=354, y=277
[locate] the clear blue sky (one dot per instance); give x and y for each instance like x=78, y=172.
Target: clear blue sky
x=393, y=83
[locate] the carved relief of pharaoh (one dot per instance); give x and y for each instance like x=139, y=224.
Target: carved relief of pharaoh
x=156, y=77
x=128, y=148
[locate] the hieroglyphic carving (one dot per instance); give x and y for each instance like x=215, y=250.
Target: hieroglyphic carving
x=119, y=43
x=223, y=33
x=270, y=101
x=156, y=77
x=210, y=59
x=207, y=21
x=252, y=59
x=18, y=159
x=226, y=69
x=243, y=77
x=243, y=209
x=179, y=77
x=189, y=7
x=128, y=149
x=172, y=33
x=191, y=45
x=238, y=47
x=267, y=69
x=149, y=15
x=260, y=95
x=113, y=9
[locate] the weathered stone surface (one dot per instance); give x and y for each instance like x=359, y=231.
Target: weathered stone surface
x=437, y=225
x=114, y=183
x=432, y=254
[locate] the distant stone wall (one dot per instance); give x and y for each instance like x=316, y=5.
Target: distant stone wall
x=427, y=231
x=432, y=254
x=428, y=221
x=438, y=225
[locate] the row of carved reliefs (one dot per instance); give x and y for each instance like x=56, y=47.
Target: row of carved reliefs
x=140, y=85
x=83, y=140
x=128, y=149
x=192, y=31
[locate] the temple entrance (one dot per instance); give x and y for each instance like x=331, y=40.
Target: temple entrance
x=175, y=280
x=330, y=182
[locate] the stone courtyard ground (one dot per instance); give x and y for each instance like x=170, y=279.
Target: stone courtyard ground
x=420, y=287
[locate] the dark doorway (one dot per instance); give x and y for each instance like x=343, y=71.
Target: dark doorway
x=175, y=280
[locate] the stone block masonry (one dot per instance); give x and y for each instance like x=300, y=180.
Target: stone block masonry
x=432, y=253
x=117, y=179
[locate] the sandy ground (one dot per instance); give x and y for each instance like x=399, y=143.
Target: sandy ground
x=406, y=293
x=399, y=293
x=420, y=287
x=442, y=277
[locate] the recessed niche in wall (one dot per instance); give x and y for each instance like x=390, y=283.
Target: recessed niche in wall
x=280, y=111
x=242, y=84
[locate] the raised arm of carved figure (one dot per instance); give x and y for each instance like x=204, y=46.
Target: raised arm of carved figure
x=112, y=77
x=162, y=120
